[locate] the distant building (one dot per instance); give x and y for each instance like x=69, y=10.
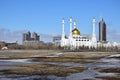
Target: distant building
x=5, y=45
x=57, y=40
x=31, y=43
x=102, y=31
x=29, y=40
x=2, y=44
x=35, y=36
x=27, y=36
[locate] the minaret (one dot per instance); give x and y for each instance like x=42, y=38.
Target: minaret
x=94, y=40
x=74, y=24
x=70, y=26
x=63, y=32
x=94, y=21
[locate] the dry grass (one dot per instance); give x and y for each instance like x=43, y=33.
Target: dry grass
x=110, y=78
x=65, y=59
x=43, y=53
x=87, y=54
x=14, y=54
x=111, y=70
x=43, y=69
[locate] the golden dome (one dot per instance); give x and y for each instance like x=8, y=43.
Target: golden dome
x=75, y=32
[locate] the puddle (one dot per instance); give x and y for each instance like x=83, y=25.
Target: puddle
x=15, y=61
x=92, y=73
x=7, y=79
x=107, y=74
x=38, y=77
x=8, y=67
x=3, y=63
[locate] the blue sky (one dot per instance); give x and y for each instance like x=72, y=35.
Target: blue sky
x=44, y=17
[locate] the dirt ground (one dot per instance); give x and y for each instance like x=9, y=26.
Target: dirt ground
x=43, y=53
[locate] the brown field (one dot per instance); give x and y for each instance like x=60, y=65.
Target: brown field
x=42, y=53
x=4, y=54
x=50, y=69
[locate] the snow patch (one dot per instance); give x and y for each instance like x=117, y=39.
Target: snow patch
x=15, y=60
x=55, y=55
x=116, y=55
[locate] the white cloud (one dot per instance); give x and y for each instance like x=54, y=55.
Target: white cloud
x=11, y=36
x=113, y=35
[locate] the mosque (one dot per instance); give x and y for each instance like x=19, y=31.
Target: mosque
x=76, y=40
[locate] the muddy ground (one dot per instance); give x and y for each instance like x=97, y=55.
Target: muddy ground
x=56, y=63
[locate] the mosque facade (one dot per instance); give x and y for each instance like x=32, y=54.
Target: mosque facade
x=76, y=40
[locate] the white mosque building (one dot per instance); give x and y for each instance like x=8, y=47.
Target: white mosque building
x=76, y=40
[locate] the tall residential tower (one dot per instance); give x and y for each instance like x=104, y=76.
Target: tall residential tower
x=102, y=30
